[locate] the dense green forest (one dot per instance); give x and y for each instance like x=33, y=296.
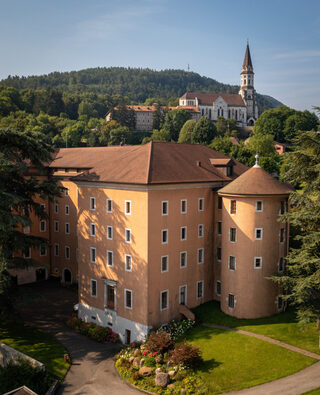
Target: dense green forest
x=133, y=83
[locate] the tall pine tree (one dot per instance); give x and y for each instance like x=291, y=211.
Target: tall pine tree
x=301, y=281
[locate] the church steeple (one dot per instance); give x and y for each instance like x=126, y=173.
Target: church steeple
x=247, y=90
x=247, y=63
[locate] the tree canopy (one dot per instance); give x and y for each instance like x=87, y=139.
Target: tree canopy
x=301, y=281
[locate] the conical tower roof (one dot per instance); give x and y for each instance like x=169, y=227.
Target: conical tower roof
x=256, y=181
x=247, y=59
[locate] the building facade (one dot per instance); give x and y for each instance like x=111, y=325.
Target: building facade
x=150, y=231
x=144, y=114
x=241, y=107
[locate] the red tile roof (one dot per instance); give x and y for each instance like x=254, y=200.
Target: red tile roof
x=256, y=181
x=152, y=163
x=208, y=98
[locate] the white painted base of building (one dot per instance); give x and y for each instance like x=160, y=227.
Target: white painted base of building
x=110, y=319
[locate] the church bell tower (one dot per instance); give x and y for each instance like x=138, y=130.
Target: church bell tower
x=247, y=90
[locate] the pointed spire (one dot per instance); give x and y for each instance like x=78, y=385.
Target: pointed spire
x=247, y=58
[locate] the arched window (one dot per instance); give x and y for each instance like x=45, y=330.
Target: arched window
x=222, y=112
x=236, y=114
x=218, y=112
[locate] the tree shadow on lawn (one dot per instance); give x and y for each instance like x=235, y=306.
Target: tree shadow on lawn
x=210, y=312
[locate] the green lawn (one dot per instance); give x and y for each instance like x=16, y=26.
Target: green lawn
x=283, y=327
x=313, y=392
x=234, y=361
x=36, y=344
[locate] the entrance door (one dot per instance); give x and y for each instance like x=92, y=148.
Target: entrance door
x=67, y=277
x=40, y=274
x=128, y=336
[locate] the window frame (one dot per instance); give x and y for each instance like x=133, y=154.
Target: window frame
x=219, y=201
x=234, y=301
x=200, y=204
x=125, y=262
x=127, y=202
x=183, y=228
x=92, y=280
x=109, y=201
x=93, y=227
x=166, y=202
x=95, y=255
x=235, y=234
x=108, y=254
x=164, y=231
x=166, y=291
x=45, y=249
x=218, y=282
x=281, y=260
x=200, y=261
x=219, y=256
x=261, y=202
x=181, y=206
x=126, y=290
x=127, y=231
x=233, y=207
x=109, y=227
x=56, y=249
x=255, y=259
x=282, y=235
x=167, y=263
x=92, y=207
x=185, y=295
x=219, y=228
x=67, y=209
x=255, y=233
x=67, y=248
x=202, y=289
x=56, y=226
x=185, y=254
x=234, y=261
x=56, y=208
x=66, y=191
x=200, y=234
x=67, y=228
x=43, y=221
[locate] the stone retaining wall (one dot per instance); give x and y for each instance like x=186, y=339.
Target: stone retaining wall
x=8, y=354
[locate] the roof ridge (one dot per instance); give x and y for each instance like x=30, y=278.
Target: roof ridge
x=149, y=162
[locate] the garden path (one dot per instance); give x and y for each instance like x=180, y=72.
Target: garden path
x=48, y=306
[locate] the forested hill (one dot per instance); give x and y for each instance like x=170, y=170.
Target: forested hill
x=135, y=83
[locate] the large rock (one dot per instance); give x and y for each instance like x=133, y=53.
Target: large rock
x=145, y=371
x=136, y=363
x=162, y=379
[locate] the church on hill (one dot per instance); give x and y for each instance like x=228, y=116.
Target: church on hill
x=242, y=106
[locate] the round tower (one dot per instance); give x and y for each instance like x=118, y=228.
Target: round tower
x=254, y=243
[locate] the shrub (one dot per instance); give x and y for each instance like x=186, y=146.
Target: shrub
x=186, y=354
x=159, y=342
x=178, y=328
x=15, y=375
x=99, y=333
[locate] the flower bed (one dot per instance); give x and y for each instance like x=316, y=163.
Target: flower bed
x=161, y=372
x=99, y=333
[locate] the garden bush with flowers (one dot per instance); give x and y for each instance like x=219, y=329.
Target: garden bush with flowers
x=99, y=333
x=162, y=367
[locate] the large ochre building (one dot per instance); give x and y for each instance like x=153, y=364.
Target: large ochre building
x=150, y=231
x=241, y=107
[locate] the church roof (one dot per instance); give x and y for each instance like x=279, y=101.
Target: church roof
x=247, y=58
x=256, y=181
x=208, y=98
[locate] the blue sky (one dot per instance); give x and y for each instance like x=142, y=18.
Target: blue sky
x=41, y=36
